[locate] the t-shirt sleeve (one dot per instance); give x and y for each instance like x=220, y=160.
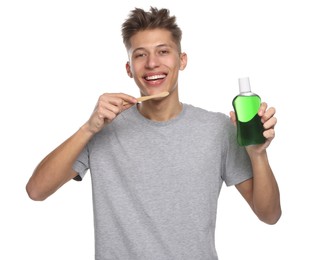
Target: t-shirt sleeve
x=237, y=163
x=81, y=165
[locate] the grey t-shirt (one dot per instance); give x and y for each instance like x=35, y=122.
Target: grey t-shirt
x=156, y=184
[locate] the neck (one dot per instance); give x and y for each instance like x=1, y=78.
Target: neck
x=162, y=109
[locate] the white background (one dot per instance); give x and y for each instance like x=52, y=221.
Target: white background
x=57, y=57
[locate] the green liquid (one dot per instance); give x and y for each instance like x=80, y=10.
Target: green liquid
x=249, y=126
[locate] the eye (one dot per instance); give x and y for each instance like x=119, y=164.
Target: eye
x=164, y=52
x=139, y=55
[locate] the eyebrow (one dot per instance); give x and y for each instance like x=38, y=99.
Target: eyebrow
x=156, y=47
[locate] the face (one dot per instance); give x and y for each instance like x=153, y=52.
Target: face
x=154, y=61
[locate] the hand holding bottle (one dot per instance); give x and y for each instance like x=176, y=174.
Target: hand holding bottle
x=268, y=120
x=255, y=124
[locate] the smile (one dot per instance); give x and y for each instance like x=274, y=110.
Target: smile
x=155, y=77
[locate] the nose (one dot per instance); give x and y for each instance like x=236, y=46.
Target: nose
x=152, y=61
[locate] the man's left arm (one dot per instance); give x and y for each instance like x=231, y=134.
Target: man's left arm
x=262, y=192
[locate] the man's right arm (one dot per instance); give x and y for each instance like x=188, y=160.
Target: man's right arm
x=56, y=168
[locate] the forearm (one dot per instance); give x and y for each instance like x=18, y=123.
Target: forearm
x=266, y=197
x=56, y=168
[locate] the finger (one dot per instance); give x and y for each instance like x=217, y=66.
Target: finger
x=113, y=102
x=114, y=106
x=269, y=134
x=121, y=104
x=108, y=115
x=107, y=107
x=262, y=109
x=106, y=111
x=126, y=98
x=232, y=117
x=270, y=123
x=126, y=105
x=268, y=114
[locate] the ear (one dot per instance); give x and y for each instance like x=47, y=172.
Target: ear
x=128, y=70
x=183, y=61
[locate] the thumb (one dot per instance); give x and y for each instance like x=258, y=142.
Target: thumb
x=232, y=117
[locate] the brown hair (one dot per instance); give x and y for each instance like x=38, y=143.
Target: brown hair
x=140, y=20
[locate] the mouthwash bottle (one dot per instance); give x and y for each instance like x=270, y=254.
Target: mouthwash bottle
x=246, y=105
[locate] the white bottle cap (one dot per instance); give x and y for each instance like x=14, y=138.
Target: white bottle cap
x=244, y=85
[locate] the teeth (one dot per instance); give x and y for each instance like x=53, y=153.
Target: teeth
x=155, y=77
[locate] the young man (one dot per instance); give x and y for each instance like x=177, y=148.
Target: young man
x=157, y=167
